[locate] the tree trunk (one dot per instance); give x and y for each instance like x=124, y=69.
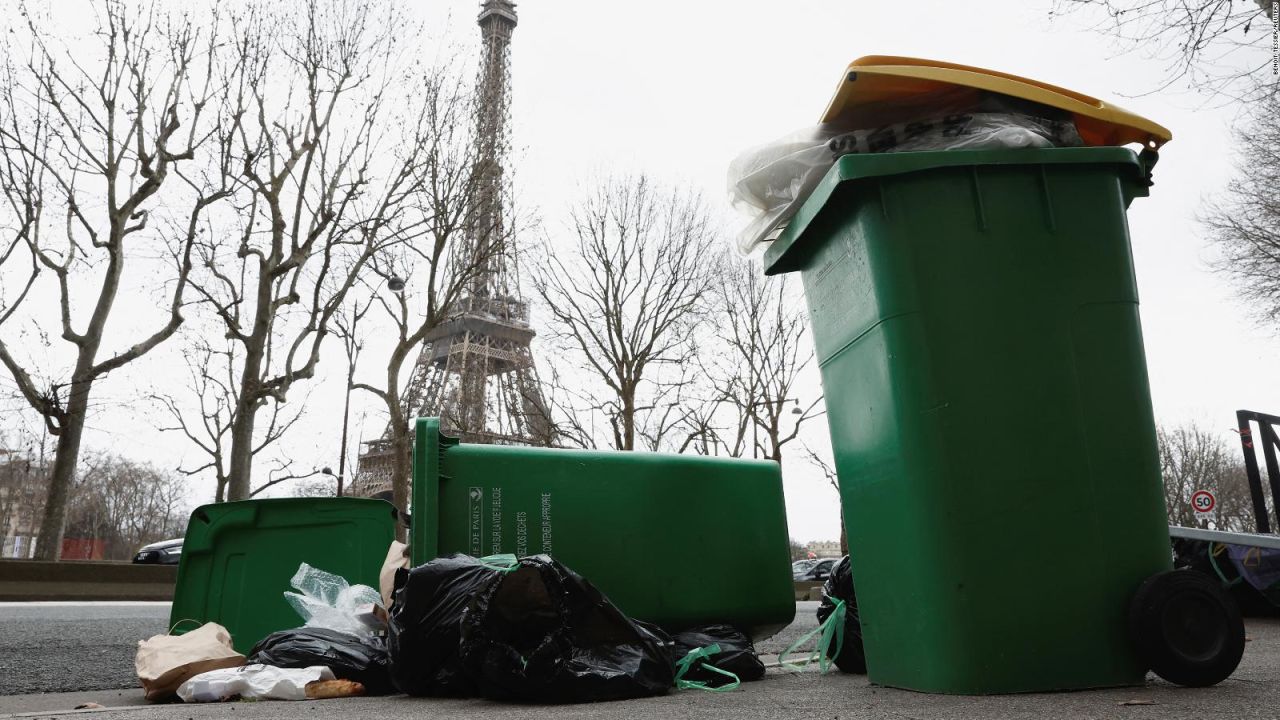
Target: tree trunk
x=67, y=456
x=844, y=537
x=240, y=473
x=242, y=448
x=401, y=453
x=401, y=435
x=628, y=422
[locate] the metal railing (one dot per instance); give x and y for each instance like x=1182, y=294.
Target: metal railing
x=1266, y=438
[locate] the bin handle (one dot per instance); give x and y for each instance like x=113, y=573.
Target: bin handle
x=1147, y=160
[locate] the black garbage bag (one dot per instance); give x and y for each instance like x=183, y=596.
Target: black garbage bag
x=839, y=588
x=737, y=654
x=541, y=633
x=423, y=627
x=1216, y=560
x=362, y=658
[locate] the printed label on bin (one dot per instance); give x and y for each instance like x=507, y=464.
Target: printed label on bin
x=495, y=521
x=475, y=520
x=488, y=534
x=546, y=523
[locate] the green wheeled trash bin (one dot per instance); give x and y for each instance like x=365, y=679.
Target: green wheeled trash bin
x=975, y=316
x=676, y=540
x=238, y=559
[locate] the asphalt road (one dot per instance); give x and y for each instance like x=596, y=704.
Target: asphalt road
x=60, y=647
x=1250, y=693
x=66, y=647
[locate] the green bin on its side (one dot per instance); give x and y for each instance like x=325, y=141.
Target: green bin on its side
x=676, y=540
x=975, y=315
x=238, y=559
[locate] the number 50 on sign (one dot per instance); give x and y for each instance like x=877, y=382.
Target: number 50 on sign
x=1202, y=501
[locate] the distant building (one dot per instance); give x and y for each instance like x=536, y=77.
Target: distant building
x=824, y=548
x=21, y=504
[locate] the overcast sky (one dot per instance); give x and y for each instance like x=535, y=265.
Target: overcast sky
x=676, y=89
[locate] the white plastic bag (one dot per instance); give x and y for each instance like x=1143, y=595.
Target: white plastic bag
x=252, y=682
x=770, y=182
x=328, y=601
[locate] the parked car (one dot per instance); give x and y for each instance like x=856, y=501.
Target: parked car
x=800, y=566
x=818, y=571
x=165, y=552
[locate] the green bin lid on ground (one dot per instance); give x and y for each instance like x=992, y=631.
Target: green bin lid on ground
x=238, y=559
x=781, y=255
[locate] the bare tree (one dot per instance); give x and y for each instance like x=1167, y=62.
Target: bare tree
x=1193, y=458
x=125, y=504
x=572, y=410
x=326, y=165
x=324, y=486
x=347, y=327
x=206, y=414
x=1245, y=222
x=93, y=184
x=761, y=350
x=417, y=283
x=626, y=297
x=1219, y=46
x=829, y=474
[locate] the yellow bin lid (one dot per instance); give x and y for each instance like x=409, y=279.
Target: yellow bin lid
x=881, y=78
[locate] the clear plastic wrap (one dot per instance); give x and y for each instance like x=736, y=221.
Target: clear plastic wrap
x=328, y=601
x=771, y=181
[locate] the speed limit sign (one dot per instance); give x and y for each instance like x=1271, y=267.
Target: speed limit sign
x=1202, y=501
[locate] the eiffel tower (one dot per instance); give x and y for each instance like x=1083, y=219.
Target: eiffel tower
x=475, y=371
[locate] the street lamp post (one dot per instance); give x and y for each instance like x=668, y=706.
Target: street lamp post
x=326, y=470
x=346, y=416
x=353, y=346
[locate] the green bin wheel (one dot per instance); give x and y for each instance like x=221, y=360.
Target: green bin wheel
x=1186, y=628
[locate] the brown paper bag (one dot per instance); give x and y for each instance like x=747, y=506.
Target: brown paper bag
x=164, y=662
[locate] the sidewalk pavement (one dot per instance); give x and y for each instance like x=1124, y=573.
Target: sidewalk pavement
x=1253, y=692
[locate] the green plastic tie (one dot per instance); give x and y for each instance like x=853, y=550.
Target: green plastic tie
x=1214, y=562
x=684, y=664
x=833, y=627
x=506, y=562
